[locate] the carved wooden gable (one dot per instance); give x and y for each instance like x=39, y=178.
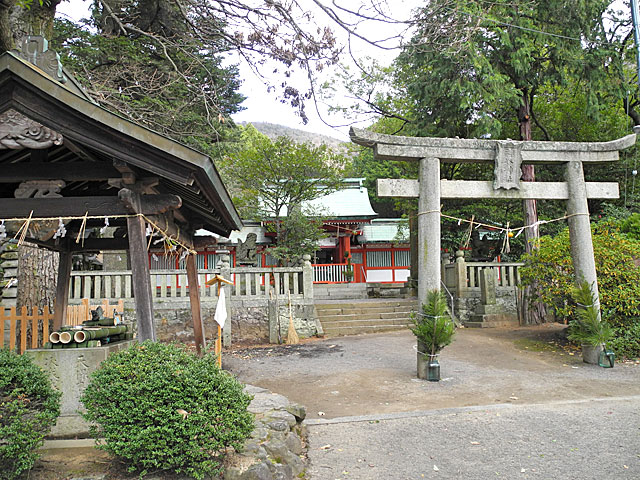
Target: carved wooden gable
x=19, y=131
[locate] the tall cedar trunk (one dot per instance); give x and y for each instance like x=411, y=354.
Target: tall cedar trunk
x=533, y=312
x=37, y=276
x=17, y=22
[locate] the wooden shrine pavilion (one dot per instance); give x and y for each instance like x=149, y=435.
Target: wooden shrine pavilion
x=69, y=167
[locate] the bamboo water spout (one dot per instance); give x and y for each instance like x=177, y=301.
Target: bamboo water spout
x=95, y=333
x=65, y=337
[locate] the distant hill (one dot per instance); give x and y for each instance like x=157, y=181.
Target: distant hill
x=273, y=130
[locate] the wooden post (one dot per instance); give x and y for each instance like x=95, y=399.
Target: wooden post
x=62, y=289
x=194, y=300
x=141, y=278
x=219, y=280
x=219, y=337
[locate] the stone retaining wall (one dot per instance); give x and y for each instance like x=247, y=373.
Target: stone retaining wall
x=252, y=320
x=276, y=449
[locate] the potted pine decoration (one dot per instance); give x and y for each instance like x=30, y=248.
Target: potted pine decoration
x=587, y=328
x=434, y=329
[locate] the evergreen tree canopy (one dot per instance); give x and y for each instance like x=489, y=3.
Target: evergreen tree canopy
x=474, y=64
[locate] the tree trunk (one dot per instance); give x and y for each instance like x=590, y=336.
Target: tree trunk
x=37, y=276
x=533, y=312
x=16, y=22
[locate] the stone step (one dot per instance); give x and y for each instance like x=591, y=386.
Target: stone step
x=334, y=332
x=350, y=318
x=364, y=316
x=373, y=312
x=411, y=305
x=377, y=311
x=365, y=323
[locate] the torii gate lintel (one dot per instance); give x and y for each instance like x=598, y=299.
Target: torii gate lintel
x=507, y=156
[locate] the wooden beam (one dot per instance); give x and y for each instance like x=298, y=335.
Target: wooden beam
x=194, y=300
x=48, y=207
x=407, y=188
x=128, y=174
x=140, y=278
x=137, y=203
x=62, y=290
x=81, y=152
x=204, y=242
x=25, y=171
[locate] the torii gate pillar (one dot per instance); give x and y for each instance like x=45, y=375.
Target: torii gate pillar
x=580, y=227
x=429, y=228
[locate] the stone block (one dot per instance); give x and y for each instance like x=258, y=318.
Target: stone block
x=298, y=411
x=488, y=286
x=280, y=416
x=264, y=402
x=489, y=309
x=9, y=255
x=293, y=443
x=69, y=371
x=11, y=292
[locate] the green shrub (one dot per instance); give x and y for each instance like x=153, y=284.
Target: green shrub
x=618, y=276
x=626, y=340
x=29, y=408
x=631, y=226
x=159, y=407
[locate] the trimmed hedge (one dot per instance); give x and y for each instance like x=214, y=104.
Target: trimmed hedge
x=29, y=407
x=616, y=256
x=159, y=407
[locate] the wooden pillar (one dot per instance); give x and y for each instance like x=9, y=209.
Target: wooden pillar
x=194, y=300
x=428, y=228
x=141, y=278
x=580, y=227
x=62, y=289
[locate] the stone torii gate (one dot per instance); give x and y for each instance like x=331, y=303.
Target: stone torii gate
x=507, y=156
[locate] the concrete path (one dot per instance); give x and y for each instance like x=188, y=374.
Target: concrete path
x=376, y=374
x=504, y=409
x=588, y=439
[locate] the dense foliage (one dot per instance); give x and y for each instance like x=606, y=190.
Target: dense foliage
x=492, y=58
x=168, y=80
x=29, y=408
x=616, y=256
x=626, y=338
x=159, y=407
